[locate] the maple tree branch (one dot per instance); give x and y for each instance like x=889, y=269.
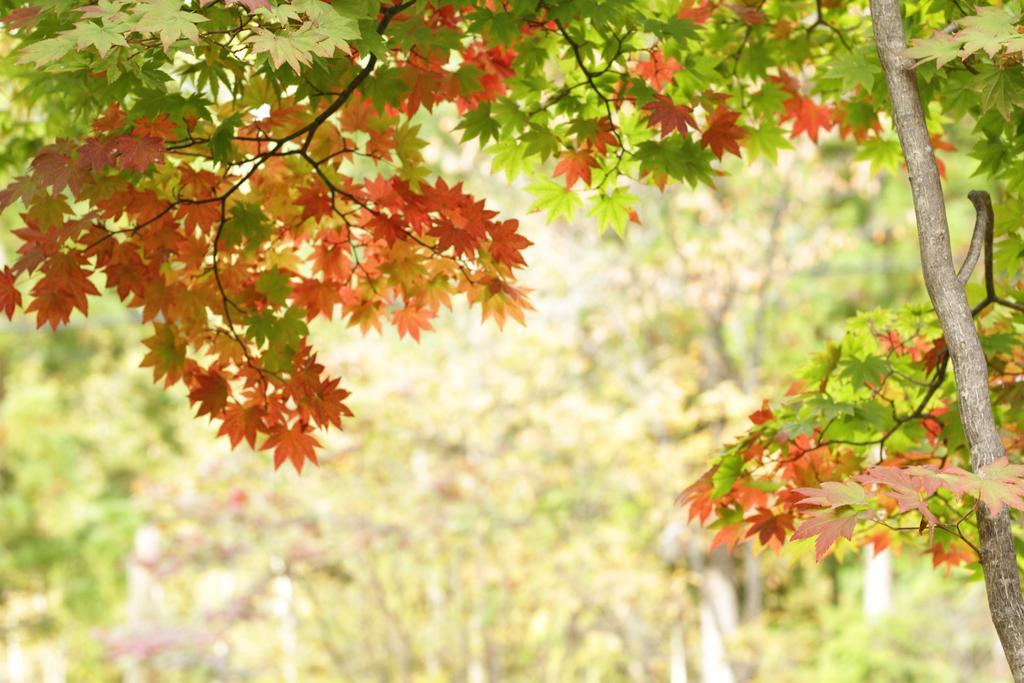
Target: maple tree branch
x=555, y=98
x=983, y=204
x=590, y=75
x=333, y=189
x=997, y=551
x=310, y=129
x=980, y=239
x=226, y=300
x=746, y=40
x=820, y=21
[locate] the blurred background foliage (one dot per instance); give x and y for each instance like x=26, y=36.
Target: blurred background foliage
x=502, y=506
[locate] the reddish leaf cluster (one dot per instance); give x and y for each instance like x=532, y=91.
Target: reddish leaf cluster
x=230, y=250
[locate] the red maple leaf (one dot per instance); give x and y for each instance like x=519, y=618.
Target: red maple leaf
x=10, y=297
x=451, y=236
x=210, y=390
x=697, y=497
x=96, y=154
x=751, y=16
x=317, y=297
x=727, y=537
x=769, y=527
x=54, y=169
x=507, y=244
x=722, y=134
x=161, y=127
x=322, y=400
x=828, y=526
x=315, y=202
x=381, y=143
x=910, y=488
x=241, y=422
x=934, y=355
x=202, y=215
x=64, y=287
x=669, y=116
x=808, y=116
x=575, y=165
x=23, y=17
x=598, y=134
x=657, y=71
x=411, y=320
x=166, y=354
x=697, y=13
x=23, y=188
x=112, y=119
x=251, y=5
x=759, y=417
x=955, y=555
x=137, y=154
x=292, y=444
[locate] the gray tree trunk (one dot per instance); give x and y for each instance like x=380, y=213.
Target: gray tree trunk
x=998, y=559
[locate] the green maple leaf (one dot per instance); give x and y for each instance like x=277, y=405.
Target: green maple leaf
x=295, y=49
x=1001, y=89
x=106, y=11
x=408, y=142
x=884, y=153
x=332, y=29
x=986, y=31
x=679, y=157
x=103, y=38
x=679, y=29
x=554, y=199
x=273, y=284
x=222, y=140
x=540, y=142
x=940, y=47
x=247, y=225
x=284, y=332
x=729, y=468
x=855, y=69
x=510, y=157
x=46, y=51
x=166, y=18
x=861, y=371
x=478, y=123
x=612, y=210
x=769, y=100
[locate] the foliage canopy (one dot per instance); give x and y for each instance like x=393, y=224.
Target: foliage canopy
x=237, y=169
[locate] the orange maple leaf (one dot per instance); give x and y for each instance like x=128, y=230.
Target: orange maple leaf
x=722, y=134
x=293, y=444
x=575, y=165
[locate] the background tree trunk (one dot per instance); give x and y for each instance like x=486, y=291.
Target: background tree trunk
x=719, y=615
x=877, y=583
x=998, y=558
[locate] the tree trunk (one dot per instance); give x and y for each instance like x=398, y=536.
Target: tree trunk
x=877, y=583
x=677, y=652
x=998, y=559
x=719, y=615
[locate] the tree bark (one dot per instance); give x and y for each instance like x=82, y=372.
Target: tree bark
x=998, y=559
